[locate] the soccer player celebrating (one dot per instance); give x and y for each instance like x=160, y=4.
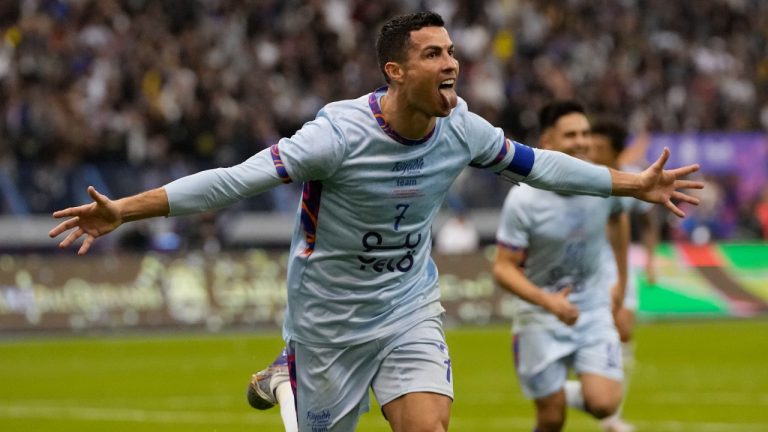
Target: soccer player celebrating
x=551, y=256
x=363, y=301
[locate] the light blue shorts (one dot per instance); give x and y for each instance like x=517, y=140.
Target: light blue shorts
x=543, y=356
x=332, y=383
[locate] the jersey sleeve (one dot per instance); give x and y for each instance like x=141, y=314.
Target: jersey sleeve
x=543, y=169
x=314, y=152
x=220, y=187
x=514, y=222
x=558, y=172
x=489, y=148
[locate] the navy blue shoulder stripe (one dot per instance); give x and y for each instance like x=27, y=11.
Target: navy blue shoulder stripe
x=499, y=157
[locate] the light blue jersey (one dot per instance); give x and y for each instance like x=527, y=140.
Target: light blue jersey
x=360, y=265
x=360, y=261
x=564, y=239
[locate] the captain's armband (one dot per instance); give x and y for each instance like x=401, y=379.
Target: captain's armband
x=521, y=164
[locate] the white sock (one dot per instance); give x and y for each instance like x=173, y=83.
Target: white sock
x=574, y=398
x=610, y=419
x=287, y=406
x=628, y=359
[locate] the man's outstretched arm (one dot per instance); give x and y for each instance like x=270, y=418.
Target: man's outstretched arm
x=559, y=172
x=195, y=193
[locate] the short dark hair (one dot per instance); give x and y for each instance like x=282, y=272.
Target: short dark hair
x=613, y=130
x=551, y=112
x=395, y=34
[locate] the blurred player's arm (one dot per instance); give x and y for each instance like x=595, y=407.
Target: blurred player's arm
x=634, y=153
x=509, y=275
x=618, y=237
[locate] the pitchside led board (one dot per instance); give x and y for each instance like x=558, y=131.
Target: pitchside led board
x=246, y=289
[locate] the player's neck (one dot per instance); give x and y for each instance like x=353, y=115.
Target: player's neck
x=404, y=119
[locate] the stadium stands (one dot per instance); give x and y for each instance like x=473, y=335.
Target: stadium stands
x=127, y=95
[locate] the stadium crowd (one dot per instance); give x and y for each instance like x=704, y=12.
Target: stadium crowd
x=130, y=94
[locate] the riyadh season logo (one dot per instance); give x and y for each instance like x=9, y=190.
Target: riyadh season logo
x=408, y=167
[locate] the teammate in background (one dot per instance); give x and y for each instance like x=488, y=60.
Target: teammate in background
x=272, y=386
x=550, y=255
x=363, y=306
x=607, y=145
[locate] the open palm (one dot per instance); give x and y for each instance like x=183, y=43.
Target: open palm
x=90, y=220
x=663, y=186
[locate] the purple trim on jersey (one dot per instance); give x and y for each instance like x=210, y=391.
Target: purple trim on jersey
x=514, y=248
x=279, y=165
x=499, y=157
x=522, y=161
x=373, y=102
x=516, y=350
x=310, y=208
x=509, y=246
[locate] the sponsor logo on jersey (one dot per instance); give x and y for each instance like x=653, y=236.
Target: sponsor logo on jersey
x=408, y=167
x=319, y=420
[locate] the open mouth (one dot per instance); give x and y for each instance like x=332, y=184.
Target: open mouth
x=447, y=92
x=447, y=84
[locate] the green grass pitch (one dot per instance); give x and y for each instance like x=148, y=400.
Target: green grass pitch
x=707, y=375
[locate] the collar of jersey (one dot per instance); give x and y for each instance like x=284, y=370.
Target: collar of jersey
x=373, y=102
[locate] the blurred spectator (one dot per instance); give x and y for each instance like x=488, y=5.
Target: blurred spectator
x=457, y=235
x=705, y=223
x=761, y=212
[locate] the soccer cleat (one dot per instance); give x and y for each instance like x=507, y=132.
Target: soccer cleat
x=615, y=424
x=261, y=389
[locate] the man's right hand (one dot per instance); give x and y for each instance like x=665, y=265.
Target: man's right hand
x=559, y=305
x=92, y=220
